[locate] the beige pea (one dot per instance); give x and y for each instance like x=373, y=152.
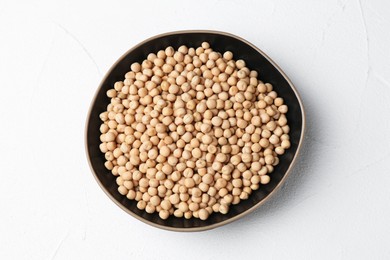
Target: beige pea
x=163, y=214
x=207, y=179
x=189, y=182
x=103, y=147
x=223, y=209
x=279, y=150
x=122, y=190
x=167, y=169
x=286, y=129
x=278, y=101
x=203, y=186
x=228, y=55
x=244, y=195
x=141, y=205
x=264, y=142
x=188, y=119
x=284, y=137
x=269, y=159
x=150, y=208
x=131, y=195
x=240, y=64
x=282, y=121
x=188, y=214
x=155, y=200
x=178, y=213
x=207, y=139
x=256, y=166
x=109, y=137
x=165, y=151
x=193, y=206
x=111, y=93
x=203, y=214
x=264, y=179
x=246, y=158
x=222, y=192
x=174, y=199
x=285, y=144
x=278, y=131
x=166, y=204
x=183, y=206
x=274, y=139
x=283, y=109
x=196, y=153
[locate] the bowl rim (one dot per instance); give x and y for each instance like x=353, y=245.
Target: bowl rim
x=227, y=221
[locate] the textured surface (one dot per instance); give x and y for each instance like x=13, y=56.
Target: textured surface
x=336, y=202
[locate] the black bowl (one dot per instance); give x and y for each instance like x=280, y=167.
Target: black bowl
x=221, y=42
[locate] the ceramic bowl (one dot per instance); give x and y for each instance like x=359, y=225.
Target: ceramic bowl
x=221, y=42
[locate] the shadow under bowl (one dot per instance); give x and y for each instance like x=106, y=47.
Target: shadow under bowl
x=220, y=41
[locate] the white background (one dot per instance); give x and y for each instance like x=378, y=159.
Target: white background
x=336, y=202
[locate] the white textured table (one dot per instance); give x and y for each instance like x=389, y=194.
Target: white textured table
x=336, y=203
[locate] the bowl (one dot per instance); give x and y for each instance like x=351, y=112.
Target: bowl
x=221, y=42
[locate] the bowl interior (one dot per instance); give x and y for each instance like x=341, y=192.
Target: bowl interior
x=221, y=43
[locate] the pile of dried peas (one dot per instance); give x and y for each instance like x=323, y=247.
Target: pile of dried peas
x=191, y=132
